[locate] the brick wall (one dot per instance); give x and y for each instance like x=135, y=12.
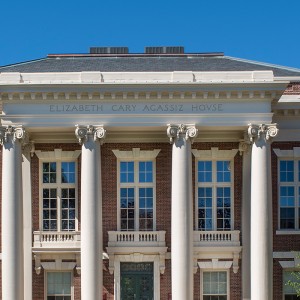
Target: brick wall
x=163, y=208
x=281, y=242
x=293, y=89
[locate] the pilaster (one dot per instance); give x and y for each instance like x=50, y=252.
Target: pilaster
x=245, y=150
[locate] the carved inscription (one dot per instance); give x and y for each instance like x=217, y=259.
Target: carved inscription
x=138, y=108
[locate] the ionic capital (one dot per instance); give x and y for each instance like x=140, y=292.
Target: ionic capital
x=185, y=131
x=82, y=133
x=17, y=133
x=262, y=131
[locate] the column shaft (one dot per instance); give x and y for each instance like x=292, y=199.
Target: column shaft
x=91, y=213
x=12, y=220
x=261, y=215
x=182, y=217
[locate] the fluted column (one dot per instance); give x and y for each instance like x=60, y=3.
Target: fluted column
x=244, y=149
x=182, y=211
x=91, y=212
x=261, y=212
x=12, y=213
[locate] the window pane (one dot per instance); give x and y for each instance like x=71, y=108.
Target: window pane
x=288, y=275
x=127, y=171
x=68, y=172
x=145, y=171
x=204, y=171
x=205, y=208
x=146, y=208
x=215, y=285
x=287, y=207
x=286, y=169
x=68, y=209
x=58, y=284
x=223, y=208
x=49, y=209
x=49, y=172
x=127, y=208
x=223, y=171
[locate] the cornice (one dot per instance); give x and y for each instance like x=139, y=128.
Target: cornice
x=155, y=94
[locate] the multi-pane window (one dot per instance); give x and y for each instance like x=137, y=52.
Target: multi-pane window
x=214, y=285
x=58, y=196
x=289, y=292
x=59, y=286
x=289, y=194
x=136, y=179
x=214, y=195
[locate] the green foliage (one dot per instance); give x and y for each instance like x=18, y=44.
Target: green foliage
x=295, y=284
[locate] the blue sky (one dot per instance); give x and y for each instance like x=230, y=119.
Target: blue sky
x=261, y=30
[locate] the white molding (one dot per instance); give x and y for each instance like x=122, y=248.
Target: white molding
x=58, y=265
x=295, y=153
x=215, y=153
x=58, y=154
x=136, y=154
x=287, y=232
x=287, y=264
x=215, y=264
x=284, y=254
x=102, y=78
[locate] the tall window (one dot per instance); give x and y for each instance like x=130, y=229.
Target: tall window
x=214, y=194
x=59, y=285
x=214, y=285
x=288, y=292
x=136, y=181
x=289, y=194
x=58, y=195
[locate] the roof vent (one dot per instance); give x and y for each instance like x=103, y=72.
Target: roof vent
x=164, y=50
x=109, y=50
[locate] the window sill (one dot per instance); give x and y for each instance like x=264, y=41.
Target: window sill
x=287, y=232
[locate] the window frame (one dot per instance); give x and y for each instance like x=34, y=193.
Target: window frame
x=58, y=156
x=57, y=271
x=292, y=155
x=136, y=155
x=227, y=271
x=214, y=155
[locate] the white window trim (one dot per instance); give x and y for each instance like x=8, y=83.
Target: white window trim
x=58, y=271
x=214, y=154
x=136, y=155
x=288, y=155
x=137, y=257
x=202, y=270
x=57, y=156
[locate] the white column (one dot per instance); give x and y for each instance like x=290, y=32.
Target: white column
x=27, y=213
x=246, y=215
x=261, y=212
x=12, y=213
x=91, y=212
x=182, y=212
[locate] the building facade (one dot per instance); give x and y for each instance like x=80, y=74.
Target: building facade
x=161, y=175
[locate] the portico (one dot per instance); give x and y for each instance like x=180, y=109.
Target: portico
x=90, y=108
